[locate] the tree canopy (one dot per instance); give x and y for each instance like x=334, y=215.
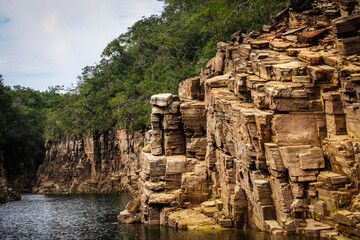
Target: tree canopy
x=153, y=56
x=22, y=124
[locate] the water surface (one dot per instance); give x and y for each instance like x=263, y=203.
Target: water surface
x=92, y=217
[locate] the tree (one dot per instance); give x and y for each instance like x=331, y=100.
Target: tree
x=22, y=122
x=153, y=56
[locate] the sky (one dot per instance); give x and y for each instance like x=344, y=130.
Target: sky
x=47, y=42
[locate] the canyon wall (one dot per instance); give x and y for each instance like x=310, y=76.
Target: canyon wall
x=19, y=164
x=267, y=137
x=7, y=193
x=103, y=163
x=21, y=172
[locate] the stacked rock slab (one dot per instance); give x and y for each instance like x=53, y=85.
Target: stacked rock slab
x=173, y=166
x=271, y=126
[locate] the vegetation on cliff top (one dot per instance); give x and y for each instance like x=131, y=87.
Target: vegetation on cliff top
x=153, y=56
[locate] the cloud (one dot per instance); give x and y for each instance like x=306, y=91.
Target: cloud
x=47, y=42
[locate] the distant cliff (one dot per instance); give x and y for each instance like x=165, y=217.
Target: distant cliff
x=103, y=163
x=7, y=193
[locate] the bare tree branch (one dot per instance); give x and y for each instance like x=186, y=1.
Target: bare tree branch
x=236, y=9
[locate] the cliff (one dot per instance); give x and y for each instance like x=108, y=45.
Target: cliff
x=267, y=137
x=102, y=163
x=7, y=193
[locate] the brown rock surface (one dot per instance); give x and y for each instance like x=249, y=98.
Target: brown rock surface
x=270, y=129
x=99, y=164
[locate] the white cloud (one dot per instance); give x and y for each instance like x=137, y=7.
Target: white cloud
x=48, y=42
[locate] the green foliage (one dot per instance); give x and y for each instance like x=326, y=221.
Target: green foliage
x=153, y=56
x=5, y=106
x=22, y=123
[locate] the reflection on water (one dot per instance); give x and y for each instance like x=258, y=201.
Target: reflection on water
x=91, y=217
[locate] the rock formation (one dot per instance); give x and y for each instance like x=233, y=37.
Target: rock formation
x=267, y=137
x=7, y=193
x=20, y=166
x=104, y=163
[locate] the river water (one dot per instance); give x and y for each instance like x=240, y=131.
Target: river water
x=92, y=217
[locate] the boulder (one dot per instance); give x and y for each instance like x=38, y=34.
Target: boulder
x=161, y=100
x=161, y=198
x=346, y=218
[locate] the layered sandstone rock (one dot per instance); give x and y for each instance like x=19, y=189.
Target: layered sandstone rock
x=107, y=163
x=268, y=136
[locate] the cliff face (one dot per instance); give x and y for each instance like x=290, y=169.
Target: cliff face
x=21, y=162
x=21, y=172
x=96, y=164
x=269, y=133
x=7, y=193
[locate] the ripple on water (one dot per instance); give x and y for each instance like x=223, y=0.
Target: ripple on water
x=91, y=217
